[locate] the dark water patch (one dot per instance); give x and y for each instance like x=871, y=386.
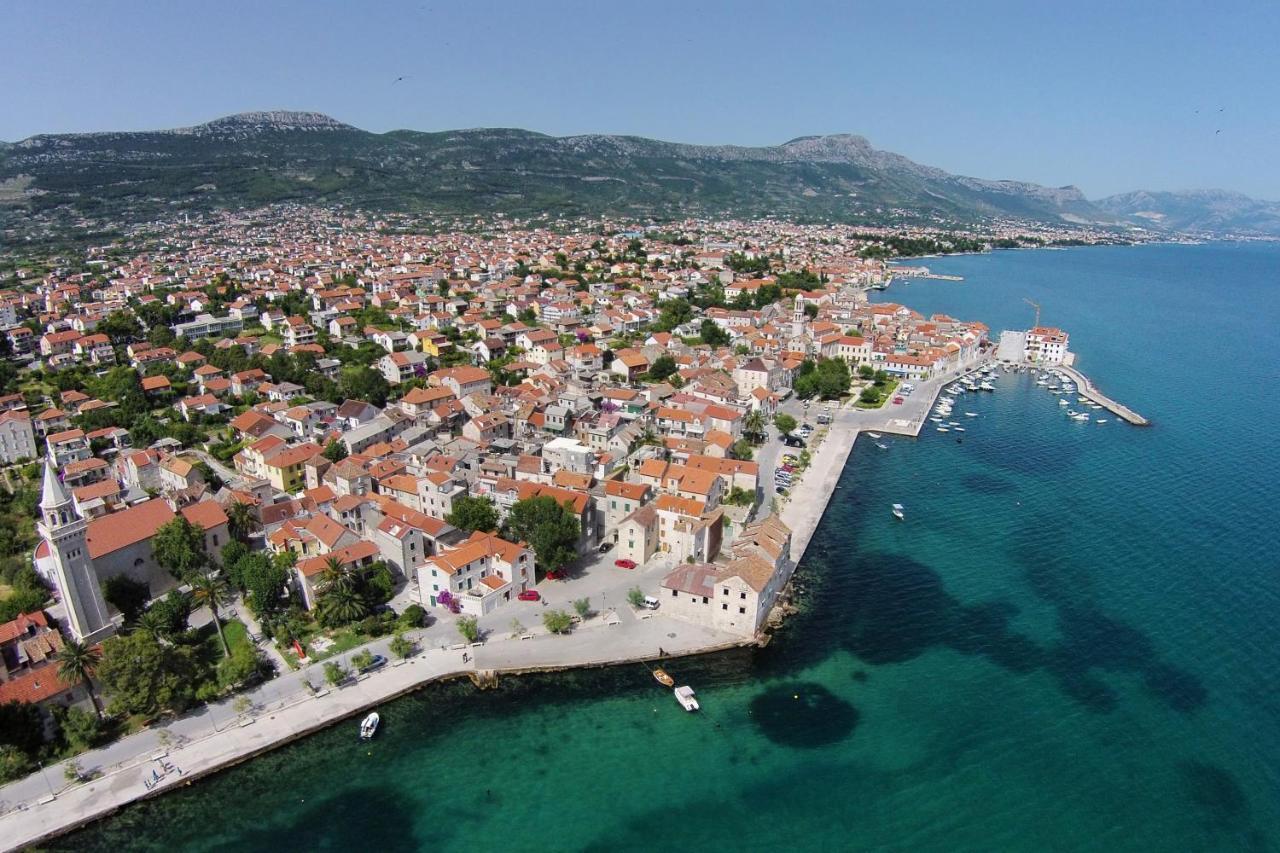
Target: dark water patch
x=860, y=675
x=985, y=484
x=1215, y=790
x=803, y=714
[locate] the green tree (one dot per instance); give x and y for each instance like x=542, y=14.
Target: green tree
x=413, y=616
x=209, y=589
x=550, y=529
x=334, y=672
x=401, y=646
x=79, y=728
x=712, y=335
x=662, y=367
x=144, y=676
x=473, y=513
x=635, y=596
x=242, y=521
x=179, y=547
x=341, y=599
x=469, y=628
x=582, y=607
x=22, y=727
x=741, y=449
x=264, y=581
x=126, y=595
x=811, y=310
x=866, y=371
x=14, y=763
x=557, y=621
x=359, y=382
x=753, y=423
x=335, y=451
x=171, y=613
x=784, y=422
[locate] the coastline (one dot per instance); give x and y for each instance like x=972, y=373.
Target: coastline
x=301, y=715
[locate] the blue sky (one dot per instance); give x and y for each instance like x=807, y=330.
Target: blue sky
x=1102, y=95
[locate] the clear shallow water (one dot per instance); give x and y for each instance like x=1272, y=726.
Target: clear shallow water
x=1071, y=643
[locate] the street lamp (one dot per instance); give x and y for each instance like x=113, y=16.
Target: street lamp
x=45, y=776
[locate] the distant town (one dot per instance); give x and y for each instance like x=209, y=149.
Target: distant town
x=289, y=440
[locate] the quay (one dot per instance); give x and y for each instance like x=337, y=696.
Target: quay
x=1088, y=391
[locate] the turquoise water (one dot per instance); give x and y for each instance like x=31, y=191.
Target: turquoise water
x=1070, y=644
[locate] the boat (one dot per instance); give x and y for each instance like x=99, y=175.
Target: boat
x=958, y=429
x=897, y=512
x=1063, y=403
x=368, y=726
x=873, y=435
x=987, y=386
x=684, y=695
x=942, y=429
x=1081, y=416
x=1100, y=420
x=664, y=679
x=970, y=414
x=882, y=445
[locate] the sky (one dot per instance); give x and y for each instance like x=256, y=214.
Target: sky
x=1108, y=96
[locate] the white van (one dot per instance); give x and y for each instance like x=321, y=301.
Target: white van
x=651, y=602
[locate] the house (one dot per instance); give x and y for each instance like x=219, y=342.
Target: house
x=737, y=596
x=687, y=528
x=360, y=554
x=28, y=663
x=481, y=573
x=399, y=367
x=463, y=381
x=620, y=500
x=629, y=364
x=637, y=534
x=17, y=437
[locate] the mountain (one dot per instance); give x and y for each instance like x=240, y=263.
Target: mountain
x=1197, y=211
x=256, y=158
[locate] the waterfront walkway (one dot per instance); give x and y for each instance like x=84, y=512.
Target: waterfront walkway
x=1087, y=390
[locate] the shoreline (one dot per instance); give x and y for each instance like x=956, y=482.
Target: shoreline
x=303, y=715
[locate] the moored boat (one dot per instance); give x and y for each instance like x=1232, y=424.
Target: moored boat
x=663, y=678
x=369, y=726
x=684, y=695
x=897, y=512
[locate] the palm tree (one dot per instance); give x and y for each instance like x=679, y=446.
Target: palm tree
x=753, y=423
x=76, y=662
x=241, y=520
x=210, y=590
x=335, y=576
x=152, y=622
x=340, y=605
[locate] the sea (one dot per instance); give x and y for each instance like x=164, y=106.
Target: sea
x=1072, y=641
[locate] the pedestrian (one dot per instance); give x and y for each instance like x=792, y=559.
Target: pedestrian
x=661, y=653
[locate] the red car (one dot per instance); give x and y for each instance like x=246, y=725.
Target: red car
x=529, y=595
x=897, y=401
x=625, y=564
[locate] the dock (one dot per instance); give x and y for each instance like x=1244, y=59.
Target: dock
x=1088, y=391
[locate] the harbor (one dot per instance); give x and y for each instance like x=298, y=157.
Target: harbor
x=1086, y=389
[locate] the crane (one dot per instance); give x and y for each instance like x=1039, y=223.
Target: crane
x=1035, y=305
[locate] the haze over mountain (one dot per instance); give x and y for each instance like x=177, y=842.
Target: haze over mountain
x=261, y=157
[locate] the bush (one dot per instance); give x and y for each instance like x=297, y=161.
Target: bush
x=362, y=658
x=414, y=616
x=635, y=596
x=401, y=646
x=582, y=606
x=469, y=628
x=334, y=672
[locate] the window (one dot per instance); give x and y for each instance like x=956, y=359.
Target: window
x=724, y=591
x=742, y=610
x=742, y=595
x=724, y=607
x=674, y=593
x=704, y=599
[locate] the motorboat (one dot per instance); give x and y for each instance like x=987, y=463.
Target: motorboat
x=1100, y=420
x=958, y=429
x=897, y=512
x=369, y=726
x=663, y=678
x=970, y=414
x=942, y=429
x=1063, y=403
x=1081, y=416
x=874, y=436
x=684, y=695
x=987, y=386
x=882, y=445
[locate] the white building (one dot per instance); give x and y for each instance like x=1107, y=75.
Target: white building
x=17, y=438
x=1046, y=345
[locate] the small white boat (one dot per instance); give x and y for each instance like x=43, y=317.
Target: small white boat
x=1081, y=416
x=1100, y=420
x=1063, y=403
x=987, y=386
x=897, y=512
x=882, y=445
x=369, y=726
x=958, y=429
x=873, y=435
x=941, y=429
x=970, y=414
x=684, y=695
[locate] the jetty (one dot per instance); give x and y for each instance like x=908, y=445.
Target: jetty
x=1089, y=392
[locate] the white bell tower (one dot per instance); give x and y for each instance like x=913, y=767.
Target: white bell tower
x=63, y=528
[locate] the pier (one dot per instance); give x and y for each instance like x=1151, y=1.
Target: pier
x=1089, y=392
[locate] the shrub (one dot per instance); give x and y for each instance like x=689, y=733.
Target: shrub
x=557, y=621
x=413, y=616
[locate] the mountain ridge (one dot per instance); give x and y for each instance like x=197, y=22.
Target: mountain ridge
x=247, y=159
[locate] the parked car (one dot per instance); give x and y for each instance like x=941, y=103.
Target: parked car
x=605, y=546
x=625, y=564
x=794, y=441
x=378, y=662
x=651, y=602
x=529, y=595
x=897, y=401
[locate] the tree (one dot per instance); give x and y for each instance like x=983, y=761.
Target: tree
x=76, y=664
x=22, y=727
x=361, y=659
x=635, y=596
x=866, y=371
x=741, y=449
x=241, y=522
x=126, y=595
x=811, y=310
x=144, y=676
x=712, y=335
x=412, y=616
x=473, y=513
x=209, y=589
x=469, y=628
x=550, y=529
x=335, y=451
x=662, y=367
x=341, y=599
x=582, y=606
x=401, y=646
x=784, y=422
x=557, y=621
x=79, y=728
x=179, y=547
x=869, y=396
x=359, y=382
x=753, y=423
x=14, y=763
x=334, y=673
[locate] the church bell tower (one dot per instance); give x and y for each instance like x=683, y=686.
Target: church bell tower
x=65, y=531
